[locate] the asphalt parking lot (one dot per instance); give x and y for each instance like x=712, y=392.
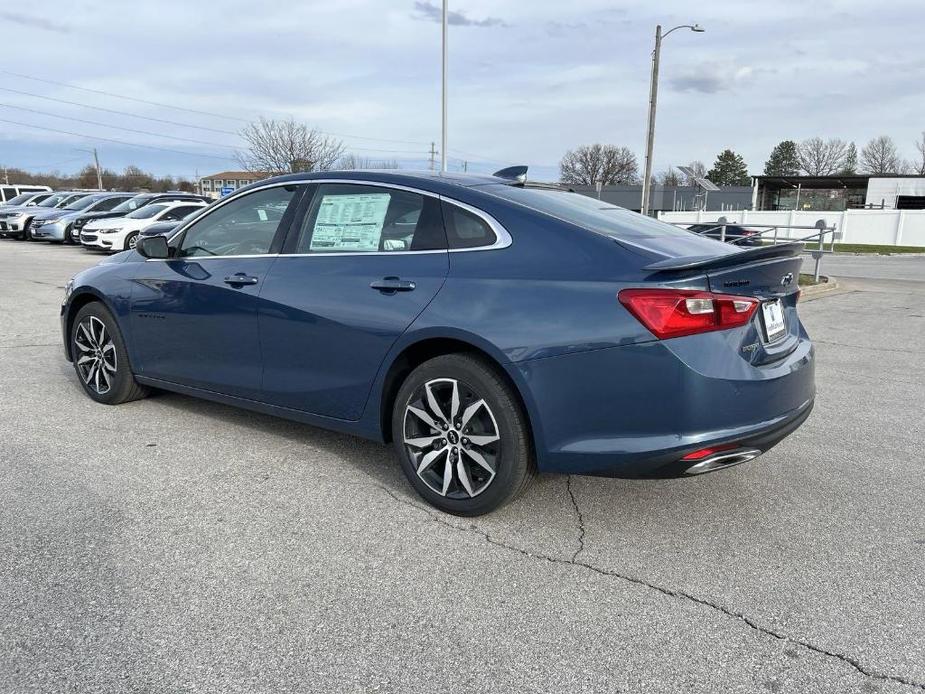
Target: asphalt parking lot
x=173, y=545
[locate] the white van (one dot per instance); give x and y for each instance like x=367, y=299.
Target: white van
x=10, y=191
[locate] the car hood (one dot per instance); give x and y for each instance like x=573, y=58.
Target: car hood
x=113, y=223
x=54, y=214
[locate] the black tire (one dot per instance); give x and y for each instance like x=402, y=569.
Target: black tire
x=67, y=240
x=117, y=374
x=130, y=240
x=510, y=456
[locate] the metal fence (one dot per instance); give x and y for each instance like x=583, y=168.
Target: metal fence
x=770, y=234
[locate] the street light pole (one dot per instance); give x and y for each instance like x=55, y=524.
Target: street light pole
x=653, y=99
x=650, y=128
x=446, y=12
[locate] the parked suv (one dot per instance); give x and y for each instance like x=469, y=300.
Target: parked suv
x=136, y=201
x=55, y=225
x=9, y=192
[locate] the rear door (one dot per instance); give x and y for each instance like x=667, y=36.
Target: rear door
x=363, y=263
x=194, y=316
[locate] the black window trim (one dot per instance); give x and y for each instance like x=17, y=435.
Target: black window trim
x=502, y=237
x=307, y=190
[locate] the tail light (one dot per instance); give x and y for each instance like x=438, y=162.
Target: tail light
x=676, y=312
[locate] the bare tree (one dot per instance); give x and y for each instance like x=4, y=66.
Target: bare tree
x=669, y=177
x=282, y=146
x=698, y=168
x=919, y=165
x=822, y=158
x=353, y=161
x=880, y=156
x=592, y=164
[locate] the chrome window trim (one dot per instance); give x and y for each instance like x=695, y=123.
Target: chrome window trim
x=502, y=237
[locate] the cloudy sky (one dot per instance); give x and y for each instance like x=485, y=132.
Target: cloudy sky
x=528, y=80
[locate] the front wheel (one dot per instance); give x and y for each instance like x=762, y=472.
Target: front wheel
x=100, y=357
x=131, y=241
x=461, y=435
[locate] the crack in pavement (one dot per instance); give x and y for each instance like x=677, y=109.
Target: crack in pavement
x=670, y=592
x=581, y=519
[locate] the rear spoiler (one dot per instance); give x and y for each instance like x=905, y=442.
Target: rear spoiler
x=701, y=262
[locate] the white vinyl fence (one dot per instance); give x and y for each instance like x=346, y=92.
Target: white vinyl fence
x=885, y=227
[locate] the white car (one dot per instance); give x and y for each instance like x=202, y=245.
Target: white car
x=121, y=233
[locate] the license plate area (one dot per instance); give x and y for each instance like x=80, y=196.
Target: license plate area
x=772, y=317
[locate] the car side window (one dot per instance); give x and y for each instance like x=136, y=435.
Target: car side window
x=242, y=226
x=465, y=229
x=349, y=218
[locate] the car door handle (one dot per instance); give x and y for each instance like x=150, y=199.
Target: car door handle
x=390, y=285
x=240, y=279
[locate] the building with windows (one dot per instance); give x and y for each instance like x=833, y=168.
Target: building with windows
x=837, y=193
x=212, y=185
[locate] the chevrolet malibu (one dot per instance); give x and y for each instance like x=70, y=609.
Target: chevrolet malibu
x=487, y=327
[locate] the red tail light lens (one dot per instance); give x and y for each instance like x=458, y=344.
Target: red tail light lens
x=676, y=312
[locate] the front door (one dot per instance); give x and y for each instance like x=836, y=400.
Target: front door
x=358, y=270
x=194, y=315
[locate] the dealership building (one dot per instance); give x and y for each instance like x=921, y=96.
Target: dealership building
x=836, y=193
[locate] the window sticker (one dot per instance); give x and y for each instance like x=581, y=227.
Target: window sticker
x=350, y=222
x=262, y=214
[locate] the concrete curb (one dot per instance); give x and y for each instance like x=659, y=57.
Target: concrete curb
x=815, y=291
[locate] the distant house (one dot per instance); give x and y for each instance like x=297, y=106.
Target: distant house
x=212, y=185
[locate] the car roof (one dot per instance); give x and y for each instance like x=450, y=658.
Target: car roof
x=434, y=181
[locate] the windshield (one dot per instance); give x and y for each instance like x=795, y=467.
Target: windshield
x=68, y=199
x=81, y=203
x=131, y=204
x=146, y=212
x=20, y=199
x=587, y=212
x=53, y=200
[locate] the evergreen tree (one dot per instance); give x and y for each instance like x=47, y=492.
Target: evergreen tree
x=729, y=169
x=783, y=160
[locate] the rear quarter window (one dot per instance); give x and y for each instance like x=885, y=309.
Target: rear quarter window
x=587, y=212
x=465, y=229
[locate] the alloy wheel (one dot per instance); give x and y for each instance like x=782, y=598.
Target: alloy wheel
x=96, y=358
x=452, y=437
x=132, y=242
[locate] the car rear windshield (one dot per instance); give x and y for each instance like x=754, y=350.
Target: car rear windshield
x=587, y=212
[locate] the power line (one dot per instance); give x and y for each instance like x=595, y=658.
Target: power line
x=116, y=127
x=118, y=142
x=121, y=96
x=188, y=110
x=121, y=113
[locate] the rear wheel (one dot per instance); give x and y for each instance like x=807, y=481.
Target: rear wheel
x=100, y=357
x=461, y=435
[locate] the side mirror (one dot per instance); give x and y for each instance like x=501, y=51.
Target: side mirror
x=153, y=247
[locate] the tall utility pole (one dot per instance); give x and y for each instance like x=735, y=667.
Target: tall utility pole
x=99, y=173
x=653, y=98
x=6, y=176
x=446, y=12
x=433, y=154
x=96, y=161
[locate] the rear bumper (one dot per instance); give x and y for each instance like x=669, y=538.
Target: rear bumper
x=635, y=411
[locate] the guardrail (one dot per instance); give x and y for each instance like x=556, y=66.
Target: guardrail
x=765, y=231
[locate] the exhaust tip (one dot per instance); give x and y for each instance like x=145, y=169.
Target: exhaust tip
x=715, y=459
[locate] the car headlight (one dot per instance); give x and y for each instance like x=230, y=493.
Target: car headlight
x=108, y=231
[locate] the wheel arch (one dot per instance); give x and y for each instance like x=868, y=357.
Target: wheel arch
x=80, y=299
x=426, y=347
